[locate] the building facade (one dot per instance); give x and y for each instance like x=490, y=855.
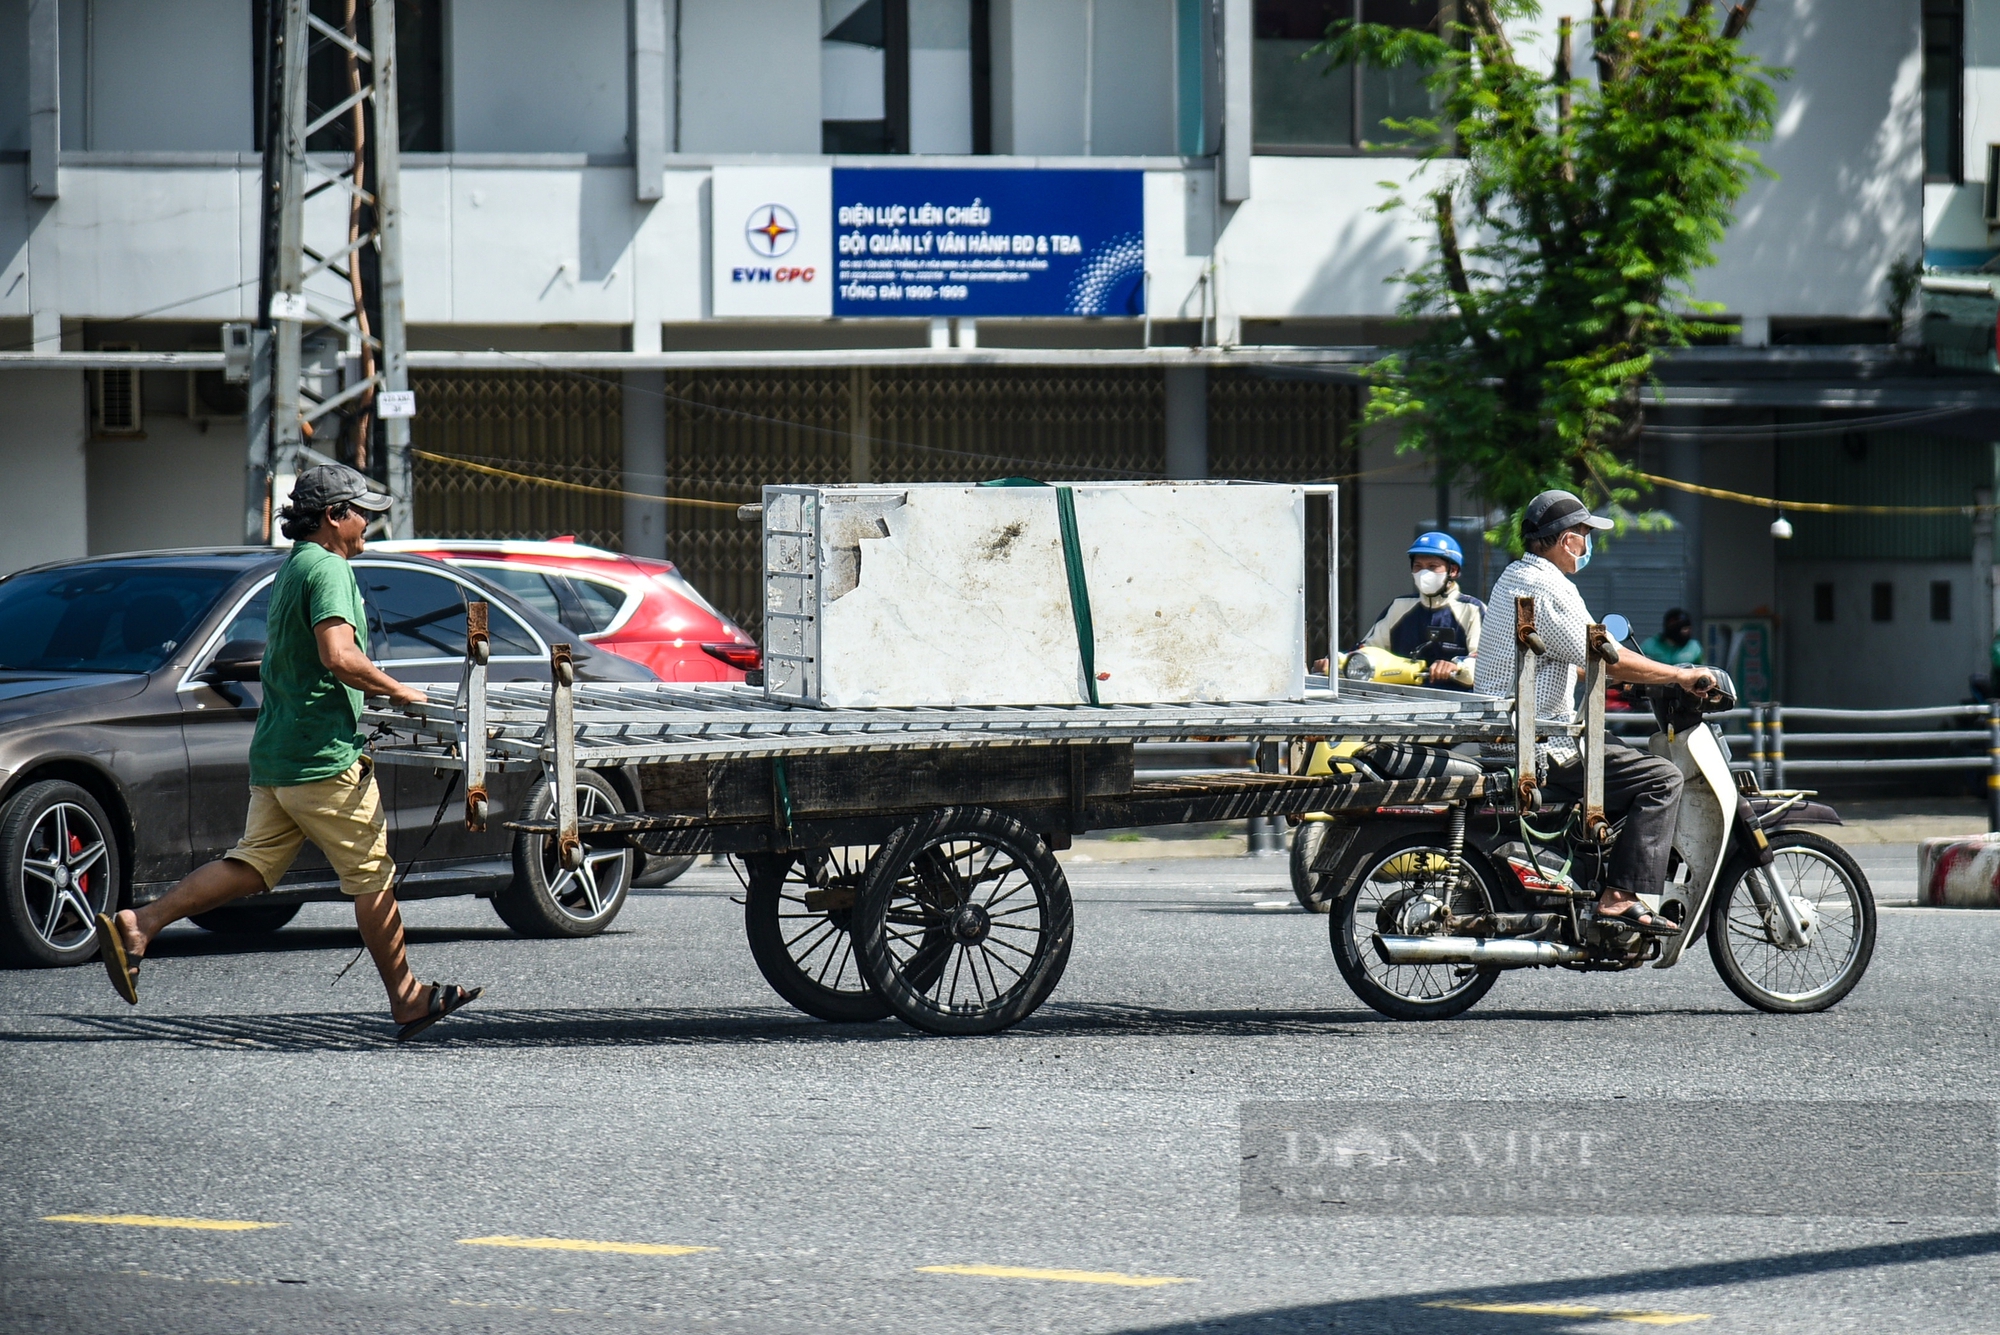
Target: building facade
x=570, y=177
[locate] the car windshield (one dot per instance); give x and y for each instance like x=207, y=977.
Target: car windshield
x=102, y=618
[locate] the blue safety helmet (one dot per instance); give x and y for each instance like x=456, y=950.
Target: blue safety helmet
x=1439, y=544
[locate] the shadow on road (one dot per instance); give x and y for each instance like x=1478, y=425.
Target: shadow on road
x=1559, y=1307
x=297, y=940
x=633, y=1026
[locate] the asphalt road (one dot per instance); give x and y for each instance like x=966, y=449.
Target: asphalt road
x=645, y=1088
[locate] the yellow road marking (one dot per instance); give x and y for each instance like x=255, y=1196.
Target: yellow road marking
x=1577, y=1312
x=585, y=1245
x=1064, y=1276
x=159, y=1221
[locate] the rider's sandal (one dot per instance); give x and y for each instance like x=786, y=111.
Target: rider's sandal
x=123, y=968
x=1638, y=919
x=444, y=999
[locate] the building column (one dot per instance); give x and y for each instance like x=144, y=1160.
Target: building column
x=1982, y=581
x=1683, y=461
x=860, y=417
x=1187, y=422
x=44, y=97
x=644, y=413
x=647, y=109
x=1233, y=169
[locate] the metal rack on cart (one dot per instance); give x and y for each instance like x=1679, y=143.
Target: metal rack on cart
x=900, y=860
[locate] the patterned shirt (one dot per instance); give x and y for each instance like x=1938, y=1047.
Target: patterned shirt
x=1563, y=622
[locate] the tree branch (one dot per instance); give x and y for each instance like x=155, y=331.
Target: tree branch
x=1563, y=100
x=1489, y=26
x=1739, y=19
x=1454, y=273
x=1600, y=28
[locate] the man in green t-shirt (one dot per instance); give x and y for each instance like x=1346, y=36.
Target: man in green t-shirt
x=308, y=777
x=1676, y=642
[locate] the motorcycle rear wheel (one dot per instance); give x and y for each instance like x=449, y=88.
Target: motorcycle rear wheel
x=1391, y=884
x=1795, y=982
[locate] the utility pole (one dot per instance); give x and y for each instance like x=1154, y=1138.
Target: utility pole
x=347, y=284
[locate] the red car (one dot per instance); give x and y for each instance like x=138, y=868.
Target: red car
x=632, y=606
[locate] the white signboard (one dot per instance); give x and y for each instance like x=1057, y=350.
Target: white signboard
x=771, y=231
x=396, y=403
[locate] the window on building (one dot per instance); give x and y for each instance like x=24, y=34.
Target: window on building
x=1822, y=602
x=904, y=76
x=864, y=76
x=419, y=73
x=1301, y=106
x=1882, y=602
x=1944, y=90
x=1940, y=600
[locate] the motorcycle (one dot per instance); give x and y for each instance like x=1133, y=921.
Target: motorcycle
x=1435, y=903
x=1369, y=663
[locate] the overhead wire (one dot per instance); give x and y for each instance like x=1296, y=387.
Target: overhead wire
x=1810, y=507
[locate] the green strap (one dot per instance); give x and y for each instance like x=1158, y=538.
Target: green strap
x=1079, y=587
x=782, y=776
x=1079, y=590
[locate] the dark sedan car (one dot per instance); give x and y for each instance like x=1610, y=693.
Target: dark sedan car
x=128, y=693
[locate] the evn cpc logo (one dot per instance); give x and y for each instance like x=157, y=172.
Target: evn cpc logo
x=771, y=232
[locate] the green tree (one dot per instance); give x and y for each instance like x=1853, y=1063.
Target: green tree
x=1588, y=205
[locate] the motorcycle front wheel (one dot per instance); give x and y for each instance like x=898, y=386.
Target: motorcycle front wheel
x=1404, y=883
x=1831, y=891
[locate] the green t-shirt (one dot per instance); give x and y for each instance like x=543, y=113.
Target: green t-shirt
x=309, y=726
x=1662, y=650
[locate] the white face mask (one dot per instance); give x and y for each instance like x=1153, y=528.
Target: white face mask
x=1429, y=583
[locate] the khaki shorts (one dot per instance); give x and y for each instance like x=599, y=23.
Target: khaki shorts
x=343, y=818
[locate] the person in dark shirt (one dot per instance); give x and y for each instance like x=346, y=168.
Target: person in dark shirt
x=1439, y=626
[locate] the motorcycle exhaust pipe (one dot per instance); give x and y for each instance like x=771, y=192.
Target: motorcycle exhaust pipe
x=1477, y=950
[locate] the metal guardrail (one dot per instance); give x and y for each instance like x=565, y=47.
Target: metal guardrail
x=1772, y=732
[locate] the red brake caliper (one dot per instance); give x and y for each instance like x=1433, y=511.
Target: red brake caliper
x=83, y=881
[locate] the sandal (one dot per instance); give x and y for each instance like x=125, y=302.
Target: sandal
x=123, y=968
x=445, y=998
x=1638, y=918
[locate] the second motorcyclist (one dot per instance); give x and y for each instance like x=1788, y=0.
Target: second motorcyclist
x=1440, y=626
x=1556, y=528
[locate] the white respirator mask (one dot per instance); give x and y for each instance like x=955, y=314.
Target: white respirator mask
x=1430, y=583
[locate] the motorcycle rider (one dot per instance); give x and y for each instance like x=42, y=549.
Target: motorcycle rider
x=1441, y=624
x=1556, y=529
x=1675, y=643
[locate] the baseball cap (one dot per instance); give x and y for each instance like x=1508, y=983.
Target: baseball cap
x=1553, y=511
x=326, y=485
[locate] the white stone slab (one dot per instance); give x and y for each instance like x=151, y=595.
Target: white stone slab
x=950, y=595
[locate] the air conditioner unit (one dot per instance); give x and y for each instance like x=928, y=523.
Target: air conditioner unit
x=211, y=395
x=1992, y=209
x=118, y=410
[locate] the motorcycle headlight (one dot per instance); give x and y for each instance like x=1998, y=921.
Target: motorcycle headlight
x=1358, y=668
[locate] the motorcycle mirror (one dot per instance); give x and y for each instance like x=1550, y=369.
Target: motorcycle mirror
x=1618, y=628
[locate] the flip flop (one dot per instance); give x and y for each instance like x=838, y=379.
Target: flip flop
x=445, y=998
x=1636, y=917
x=124, y=970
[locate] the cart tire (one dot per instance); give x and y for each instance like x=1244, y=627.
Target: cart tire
x=807, y=955
x=964, y=923
x=1313, y=891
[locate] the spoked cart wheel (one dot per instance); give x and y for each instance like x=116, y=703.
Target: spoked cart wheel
x=797, y=915
x=964, y=921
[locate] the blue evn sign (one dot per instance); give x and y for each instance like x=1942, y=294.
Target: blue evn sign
x=950, y=241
